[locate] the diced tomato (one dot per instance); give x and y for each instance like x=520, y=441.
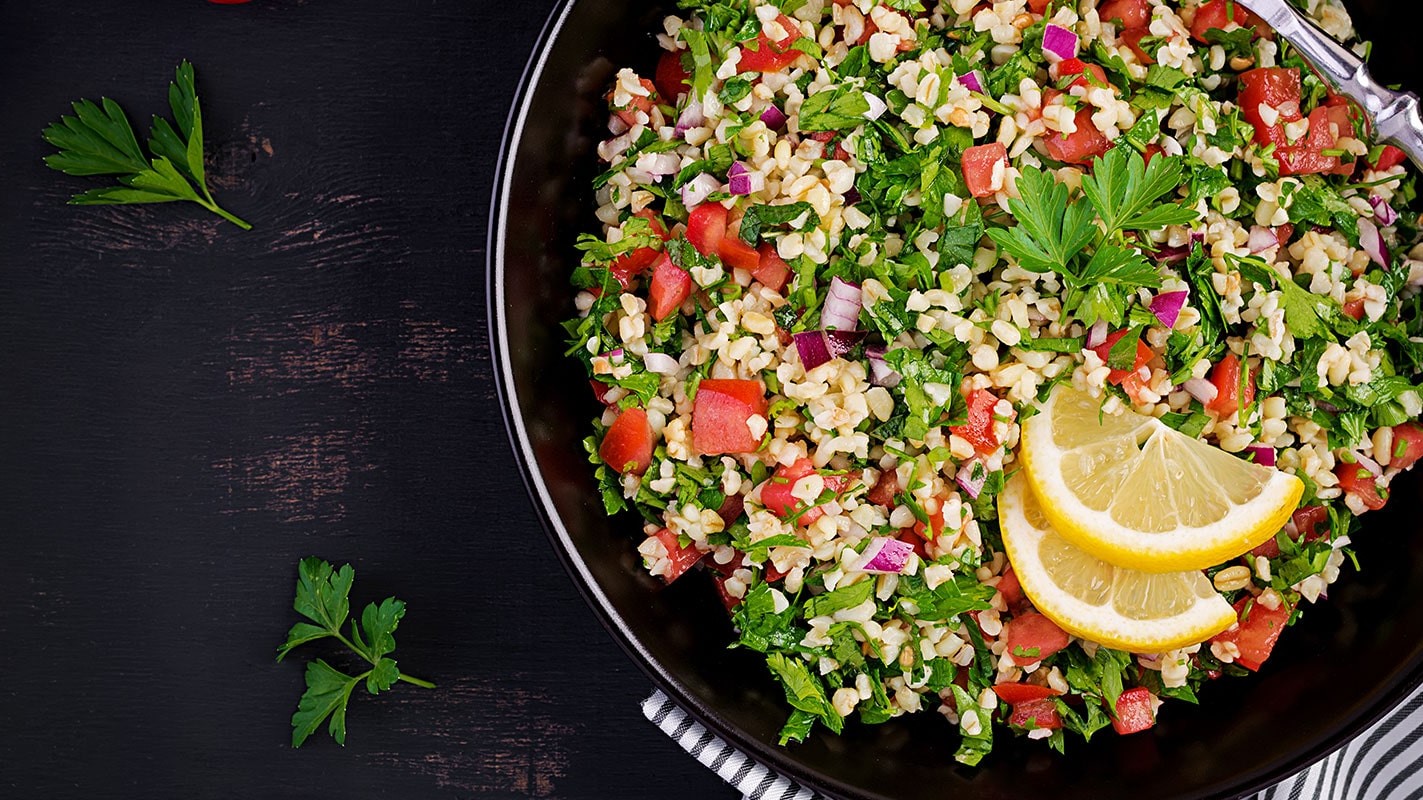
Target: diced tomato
x=1277, y=87
x=1326, y=125
x=1038, y=6
x=1088, y=75
x=885, y=489
x=1081, y=146
x=978, y=429
x=979, y=164
x=731, y=507
x=1011, y=589
x=1389, y=157
x=739, y=254
x=1225, y=376
x=1357, y=480
x=770, y=269
x=1015, y=693
x=1354, y=309
x=706, y=227
x=719, y=415
x=1135, y=712
x=671, y=285
x=1104, y=351
x=1033, y=637
x=1041, y=714
x=682, y=558
x=1131, y=37
x=628, y=265
x=1306, y=523
x=628, y=113
x=1407, y=445
x=765, y=55
x=727, y=599
x=1130, y=13
x=627, y=446
x=777, y=492
x=909, y=536
x=1219, y=14
x=929, y=531
x=1152, y=151
x=671, y=77
x=1255, y=635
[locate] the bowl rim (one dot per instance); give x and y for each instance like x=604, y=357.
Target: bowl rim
x=774, y=758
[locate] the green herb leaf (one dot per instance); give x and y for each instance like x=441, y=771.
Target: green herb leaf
x=1126, y=191
x=1049, y=231
x=323, y=596
x=833, y=110
x=758, y=217
x=98, y=140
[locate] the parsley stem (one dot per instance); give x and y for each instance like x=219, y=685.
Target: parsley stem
x=424, y=684
x=218, y=210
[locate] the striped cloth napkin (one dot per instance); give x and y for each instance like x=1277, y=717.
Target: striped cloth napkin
x=1383, y=763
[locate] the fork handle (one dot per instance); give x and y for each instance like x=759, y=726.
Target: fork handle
x=1395, y=115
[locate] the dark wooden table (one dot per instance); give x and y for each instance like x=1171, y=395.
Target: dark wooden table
x=189, y=409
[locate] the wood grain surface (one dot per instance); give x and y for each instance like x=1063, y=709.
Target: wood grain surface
x=189, y=409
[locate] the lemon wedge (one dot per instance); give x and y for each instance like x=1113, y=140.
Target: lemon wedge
x=1140, y=612
x=1132, y=491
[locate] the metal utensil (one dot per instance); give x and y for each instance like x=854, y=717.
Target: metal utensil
x=1395, y=115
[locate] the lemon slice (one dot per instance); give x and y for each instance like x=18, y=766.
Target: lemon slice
x=1132, y=491
x=1140, y=612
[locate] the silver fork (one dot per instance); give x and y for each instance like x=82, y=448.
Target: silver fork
x=1395, y=115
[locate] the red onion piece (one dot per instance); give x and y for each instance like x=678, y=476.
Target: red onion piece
x=691, y=117
x=1262, y=239
x=660, y=363
x=1059, y=43
x=616, y=125
x=1383, y=212
x=971, y=477
x=696, y=190
x=1371, y=242
x=1368, y=463
x=842, y=306
x=818, y=347
x=881, y=373
x=739, y=179
x=1264, y=455
x=885, y=555
x=1167, y=307
x=813, y=349
x=615, y=356
x=973, y=81
x=773, y=117
x=1201, y=389
x=1097, y=334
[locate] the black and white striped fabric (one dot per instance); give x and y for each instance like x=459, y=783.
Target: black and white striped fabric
x=1381, y=764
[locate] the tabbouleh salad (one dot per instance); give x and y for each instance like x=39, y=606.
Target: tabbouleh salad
x=848, y=248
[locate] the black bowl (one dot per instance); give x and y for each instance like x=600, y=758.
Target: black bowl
x=1345, y=664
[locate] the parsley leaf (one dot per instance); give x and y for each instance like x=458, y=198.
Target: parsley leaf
x=323, y=597
x=1125, y=191
x=1049, y=231
x=833, y=110
x=98, y=140
x=759, y=216
x=804, y=692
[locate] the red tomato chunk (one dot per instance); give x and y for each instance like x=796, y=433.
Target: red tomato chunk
x=627, y=446
x=671, y=286
x=1229, y=398
x=979, y=164
x=1135, y=711
x=1037, y=714
x=1255, y=635
x=719, y=415
x=1081, y=146
x=1104, y=352
x=1033, y=637
x=681, y=558
x=1357, y=480
x=1407, y=445
x=671, y=77
x=1129, y=13
x=978, y=429
x=777, y=492
x=765, y=55
x=1015, y=693
x=1226, y=14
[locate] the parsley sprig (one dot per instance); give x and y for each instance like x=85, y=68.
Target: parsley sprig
x=1085, y=243
x=98, y=140
x=323, y=596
